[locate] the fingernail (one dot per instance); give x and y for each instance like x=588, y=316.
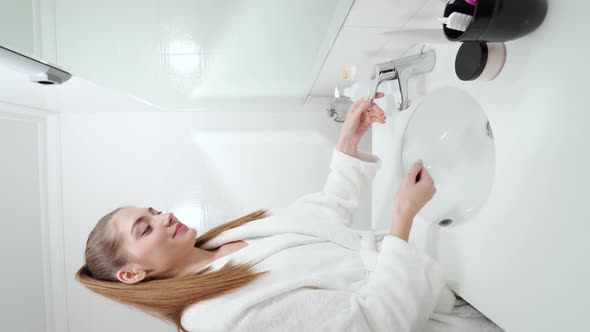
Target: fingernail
x=420, y=161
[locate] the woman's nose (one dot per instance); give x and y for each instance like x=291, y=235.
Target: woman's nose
x=168, y=218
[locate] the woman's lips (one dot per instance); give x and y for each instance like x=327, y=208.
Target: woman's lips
x=180, y=228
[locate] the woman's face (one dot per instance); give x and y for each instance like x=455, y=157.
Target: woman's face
x=157, y=244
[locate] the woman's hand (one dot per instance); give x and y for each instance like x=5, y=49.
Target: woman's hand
x=416, y=189
x=359, y=118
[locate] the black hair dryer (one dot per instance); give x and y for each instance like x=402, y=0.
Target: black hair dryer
x=496, y=20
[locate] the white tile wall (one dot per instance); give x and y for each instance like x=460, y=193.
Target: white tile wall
x=392, y=14
x=426, y=18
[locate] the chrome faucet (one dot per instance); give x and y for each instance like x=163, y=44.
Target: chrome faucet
x=401, y=70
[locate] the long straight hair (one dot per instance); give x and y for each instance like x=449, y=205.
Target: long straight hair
x=164, y=298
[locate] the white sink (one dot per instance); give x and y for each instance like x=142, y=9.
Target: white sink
x=449, y=131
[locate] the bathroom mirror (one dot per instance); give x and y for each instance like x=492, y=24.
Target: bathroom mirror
x=181, y=54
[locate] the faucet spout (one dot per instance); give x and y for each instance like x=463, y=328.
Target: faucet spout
x=402, y=69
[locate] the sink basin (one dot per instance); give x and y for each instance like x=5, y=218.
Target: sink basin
x=451, y=133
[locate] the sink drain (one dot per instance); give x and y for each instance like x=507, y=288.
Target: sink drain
x=445, y=222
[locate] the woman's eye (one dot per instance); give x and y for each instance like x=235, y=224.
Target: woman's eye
x=147, y=229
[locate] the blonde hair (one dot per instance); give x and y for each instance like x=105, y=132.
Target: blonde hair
x=164, y=298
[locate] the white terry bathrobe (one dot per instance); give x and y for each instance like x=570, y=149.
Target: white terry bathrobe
x=324, y=275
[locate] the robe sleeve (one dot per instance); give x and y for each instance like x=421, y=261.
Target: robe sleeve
x=399, y=295
x=348, y=179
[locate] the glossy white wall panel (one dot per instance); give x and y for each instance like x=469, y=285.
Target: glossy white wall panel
x=21, y=241
x=392, y=14
x=17, y=25
x=178, y=54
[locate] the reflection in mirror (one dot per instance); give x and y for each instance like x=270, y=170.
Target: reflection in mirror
x=178, y=55
x=181, y=54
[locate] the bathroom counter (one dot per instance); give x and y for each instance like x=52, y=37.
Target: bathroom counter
x=523, y=260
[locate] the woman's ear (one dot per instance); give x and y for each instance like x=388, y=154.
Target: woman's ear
x=131, y=274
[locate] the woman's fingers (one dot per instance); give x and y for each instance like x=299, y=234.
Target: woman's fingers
x=376, y=119
x=378, y=113
x=368, y=102
x=371, y=115
x=355, y=105
x=416, y=168
x=376, y=110
x=373, y=112
x=364, y=103
x=376, y=107
x=359, y=105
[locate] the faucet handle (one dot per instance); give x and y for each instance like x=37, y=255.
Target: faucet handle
x=402, y=69
x=404, y=103
x=384, y=76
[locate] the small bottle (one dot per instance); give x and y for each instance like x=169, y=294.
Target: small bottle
x=343, y=88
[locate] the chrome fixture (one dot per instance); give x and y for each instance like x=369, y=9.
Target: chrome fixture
x=339, y=108
x=39, y=72
x=401, y=70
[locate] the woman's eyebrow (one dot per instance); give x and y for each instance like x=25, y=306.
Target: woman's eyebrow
x=140, y=219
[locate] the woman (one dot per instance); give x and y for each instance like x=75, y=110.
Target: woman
x=301, y=268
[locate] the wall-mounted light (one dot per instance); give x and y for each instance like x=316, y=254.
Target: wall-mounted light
x=39, y=72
